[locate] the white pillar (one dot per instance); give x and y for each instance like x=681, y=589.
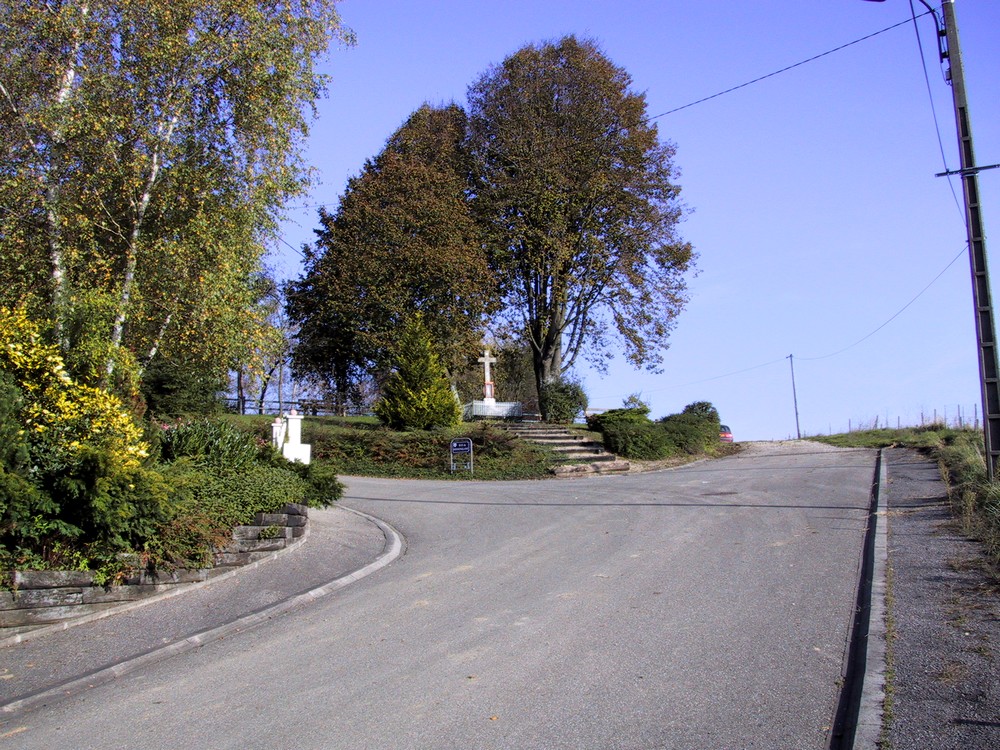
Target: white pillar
x=278, y=432
x=295, y=449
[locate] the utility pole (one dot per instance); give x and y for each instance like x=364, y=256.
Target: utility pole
x=989, y=373
x=795, y=399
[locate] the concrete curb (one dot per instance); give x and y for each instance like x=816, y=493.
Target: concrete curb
x=870, y=713
x=394, y=547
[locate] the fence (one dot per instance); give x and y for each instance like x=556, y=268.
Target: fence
x=958, y=416
x=497, y=410
x=307, y=406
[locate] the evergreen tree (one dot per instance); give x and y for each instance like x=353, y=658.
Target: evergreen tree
x=417, y=395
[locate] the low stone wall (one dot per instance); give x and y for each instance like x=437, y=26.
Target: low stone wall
x=41, y=598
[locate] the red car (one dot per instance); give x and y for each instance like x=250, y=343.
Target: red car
x=724, y=434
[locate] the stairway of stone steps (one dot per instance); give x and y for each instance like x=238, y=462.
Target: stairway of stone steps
x=576, y=453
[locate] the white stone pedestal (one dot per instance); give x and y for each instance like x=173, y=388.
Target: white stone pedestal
x=290, y=442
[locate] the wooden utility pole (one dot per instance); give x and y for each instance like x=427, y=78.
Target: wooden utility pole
x=795, y=399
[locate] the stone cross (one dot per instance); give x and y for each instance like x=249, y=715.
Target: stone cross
x=486, y=361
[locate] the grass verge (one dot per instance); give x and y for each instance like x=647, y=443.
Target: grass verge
x=975, y=500
x=364, y=448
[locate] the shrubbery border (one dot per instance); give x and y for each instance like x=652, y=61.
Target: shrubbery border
x=50, y=597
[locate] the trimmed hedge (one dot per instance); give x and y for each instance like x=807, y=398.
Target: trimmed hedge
x=615, y=417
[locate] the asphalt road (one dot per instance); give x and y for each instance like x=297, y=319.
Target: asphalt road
x=705, y=607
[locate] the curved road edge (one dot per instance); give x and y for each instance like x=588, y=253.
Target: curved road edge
x=394, y=547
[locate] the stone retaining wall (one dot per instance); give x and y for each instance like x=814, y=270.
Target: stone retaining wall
x=44, y=597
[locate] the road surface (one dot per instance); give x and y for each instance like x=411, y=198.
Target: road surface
x=703, y=607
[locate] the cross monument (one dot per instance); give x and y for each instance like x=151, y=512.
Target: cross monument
x=486, y=361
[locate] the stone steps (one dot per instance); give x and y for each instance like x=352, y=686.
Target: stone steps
x=576, y=454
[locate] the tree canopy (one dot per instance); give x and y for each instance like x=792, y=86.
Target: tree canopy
x=146, y=149
x=579, y=200
x=417, y=394
x=547, y=213
x=403, y=241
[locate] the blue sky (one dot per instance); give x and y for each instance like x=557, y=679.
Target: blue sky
x=814, y=206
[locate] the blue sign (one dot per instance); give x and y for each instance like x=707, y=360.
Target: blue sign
x=461, y=445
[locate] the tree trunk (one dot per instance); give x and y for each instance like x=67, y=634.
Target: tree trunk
x=241, y=400
x=132, y=250
x=547, y=354
x=53, y=220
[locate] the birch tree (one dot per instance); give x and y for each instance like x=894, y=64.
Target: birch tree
x=147, y=148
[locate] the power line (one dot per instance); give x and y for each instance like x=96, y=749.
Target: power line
x=930, y=97
x=779, y=72
x=899, y=312
x=895, y=315
x=727, y=91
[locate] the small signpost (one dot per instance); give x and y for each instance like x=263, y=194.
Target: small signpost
x=461, y=454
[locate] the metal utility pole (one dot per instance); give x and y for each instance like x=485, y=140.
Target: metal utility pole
x=795, y=399
x=989, y=373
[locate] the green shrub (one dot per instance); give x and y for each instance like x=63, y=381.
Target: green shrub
x=417, y=395
x=211, y=442
x=628, y=432
x=695, y=430
x=173, y=387
x=322, y=486
x=72, y=454
x=640, y=441
x=562, y=401
x=614, y=417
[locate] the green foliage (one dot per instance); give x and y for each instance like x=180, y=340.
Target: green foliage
x=702, y=410
x=417, y=395
x=635, y=401
x=613, y=417
x=210, y=443
x=77, y=487
x=562, y=400
x=695, y=430
x=148, y=149
x=72, y=453
x=362, y=449
x=173, y=387
x=323, y=488
x=580, y=204
x=642, y=441
x=26, y=513
x=403, y=240
x=61, y=416
x=628, y=432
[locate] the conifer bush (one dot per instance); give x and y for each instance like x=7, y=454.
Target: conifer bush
x=562, y=401
x=417, y=395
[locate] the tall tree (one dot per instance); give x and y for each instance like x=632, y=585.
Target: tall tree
x=147, y=148
x=579, y=198
x=403, y=241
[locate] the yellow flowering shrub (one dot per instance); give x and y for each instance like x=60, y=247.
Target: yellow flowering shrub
x=60, y=415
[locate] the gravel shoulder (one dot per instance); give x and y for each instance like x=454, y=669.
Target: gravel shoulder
x=946, y=619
